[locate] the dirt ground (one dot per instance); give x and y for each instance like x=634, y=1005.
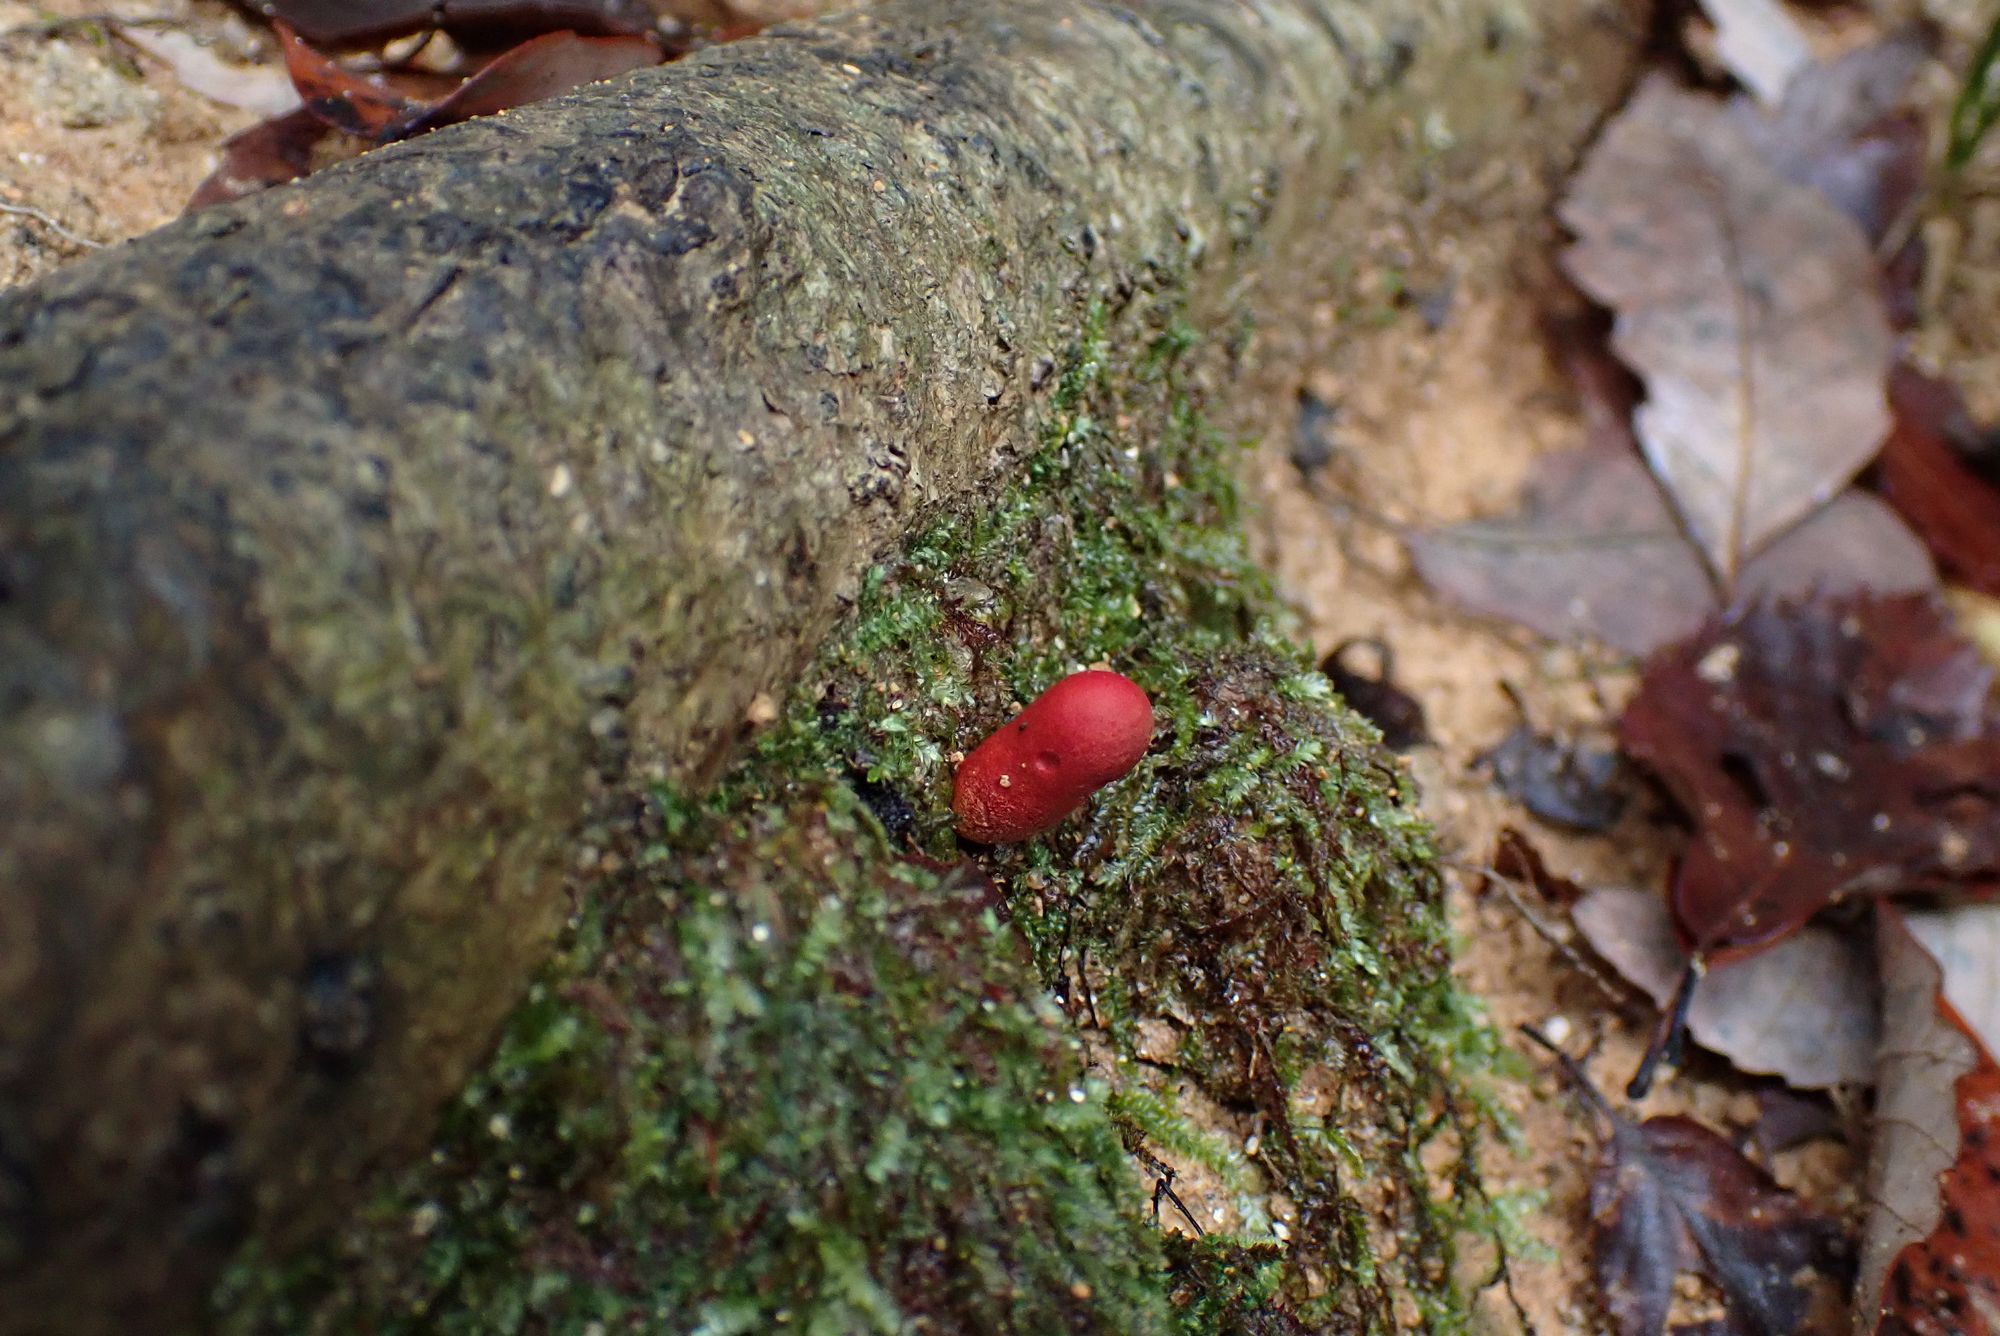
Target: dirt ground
x=1441, y=413
x=1476, y=401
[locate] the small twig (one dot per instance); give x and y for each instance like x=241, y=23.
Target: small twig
x=1164, y=1175
x=1546, y=931
x=1573, y=1074
x=53, y=224
x=1503, y=1276
x=1669, y=1040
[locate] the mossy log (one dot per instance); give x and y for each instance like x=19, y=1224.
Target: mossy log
x=370, y=548
x=796, y=1064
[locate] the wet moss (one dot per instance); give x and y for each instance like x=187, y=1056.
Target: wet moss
x=808, y=1064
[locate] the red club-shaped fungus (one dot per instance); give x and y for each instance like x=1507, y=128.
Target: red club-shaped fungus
x=1072, y=740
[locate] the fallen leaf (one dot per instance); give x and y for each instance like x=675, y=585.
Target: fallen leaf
x=1559, y=780
x=1787, y=1118
x=1956, y=510
x=1748, y=306
x=1824, y=749
x=255, y=88
x=269, y=153
x=1804, y=1011
x=344, y=100
x=539, y=68
x=1838, y=130
x=1930, y=1262
x=1760, y=43
x=1595, y=550
x=1377, y=699
x=1856, y=543
x=335, y=100
x=1964, y=942
x=1670, y=1196
x=364, y=23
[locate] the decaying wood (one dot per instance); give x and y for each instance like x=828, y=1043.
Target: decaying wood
x=361, y=541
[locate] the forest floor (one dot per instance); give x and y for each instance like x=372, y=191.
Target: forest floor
x=1476, y=401
x=1442, y=409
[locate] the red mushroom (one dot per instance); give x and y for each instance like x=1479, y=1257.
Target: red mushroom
x=1072, y=740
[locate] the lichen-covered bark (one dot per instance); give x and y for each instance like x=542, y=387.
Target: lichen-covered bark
x=362, y=544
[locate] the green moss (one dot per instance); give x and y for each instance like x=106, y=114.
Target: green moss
x=806, y=1066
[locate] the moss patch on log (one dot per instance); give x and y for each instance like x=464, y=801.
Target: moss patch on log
x=803, y=1063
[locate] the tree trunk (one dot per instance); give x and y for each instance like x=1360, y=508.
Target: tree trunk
x=363, y=542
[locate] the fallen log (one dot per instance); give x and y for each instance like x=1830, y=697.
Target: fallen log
x=363, y=543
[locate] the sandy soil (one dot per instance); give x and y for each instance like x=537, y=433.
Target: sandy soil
x=100, y=143
x=1442, y=410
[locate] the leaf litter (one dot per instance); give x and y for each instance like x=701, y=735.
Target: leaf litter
x=1699, y=567
x=1805, y=1011
x=1565, y=781
x=1832, y=748
x=1760, y=43
x=554, y=48
x=1930, y=1262
x=1595, y=550
x=1840, y=129
x=1599, y=547
x=1672, y=1195
x=1928, y=474
x=1670, y=1198
x=1748, y=306
x=1826, y=731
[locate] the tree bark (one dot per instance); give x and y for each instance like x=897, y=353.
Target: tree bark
x=361, y=541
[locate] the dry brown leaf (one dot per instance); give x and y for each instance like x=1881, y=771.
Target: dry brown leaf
x=1595, y=551
x=1748, y=305
x=1853, y=543
x=1930, y=1260
x=1837, y=748
x=1804, y=1011
x=1928, y=477
x=1838, y=130
x=1672, y=1197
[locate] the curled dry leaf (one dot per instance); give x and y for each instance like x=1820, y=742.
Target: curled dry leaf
x=338, y=102
x=539, y=68
x=344, y=100
x=269, y=153
x=1804, y=1011
x=1825, y=749
x=1930, y=1264
x=1747, y=304
x=1955, y=509
x=1595, y=551
x=360, y=23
